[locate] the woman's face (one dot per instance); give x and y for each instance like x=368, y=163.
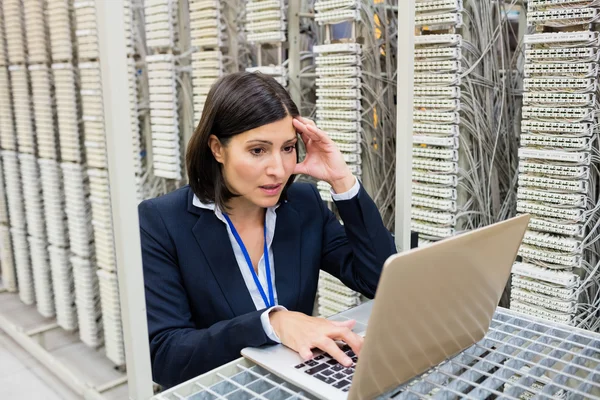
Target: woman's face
x=258, y=163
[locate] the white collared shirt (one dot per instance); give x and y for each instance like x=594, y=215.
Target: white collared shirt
x=270, y=220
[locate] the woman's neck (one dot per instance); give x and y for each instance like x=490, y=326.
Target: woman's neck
x=242, y=212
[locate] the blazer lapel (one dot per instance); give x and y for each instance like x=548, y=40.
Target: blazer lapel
x=211, y=235
x=287, y=256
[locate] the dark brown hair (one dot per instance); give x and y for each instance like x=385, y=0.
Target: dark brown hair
x=236, y=103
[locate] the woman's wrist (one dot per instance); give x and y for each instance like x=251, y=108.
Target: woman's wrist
x=344, y=184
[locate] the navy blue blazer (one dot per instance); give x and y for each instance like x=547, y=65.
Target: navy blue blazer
x=200, y=313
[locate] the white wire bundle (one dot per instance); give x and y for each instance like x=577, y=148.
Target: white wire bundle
x=22, y=107
x=36, y=31
x=9, y=277
x=93, y=115
x=78, y=209
x=13, y=25
x=63, y=286
x=111, y=317
x=71, y=147
x=46, y=138
x=42, y=277
x=61, y=33
x=23, y=266
x=7, y=126
x=32, y=195
x=87, y=298
x=54, y=202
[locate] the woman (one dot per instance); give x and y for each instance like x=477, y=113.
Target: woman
x=233, y=259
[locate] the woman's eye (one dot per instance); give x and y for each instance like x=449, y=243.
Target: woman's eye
x=289, y=149
x=256, y=152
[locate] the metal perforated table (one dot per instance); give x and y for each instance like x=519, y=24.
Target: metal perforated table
x=519, y=358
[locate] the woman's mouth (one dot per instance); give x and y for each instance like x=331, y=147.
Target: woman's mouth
x=271, y=190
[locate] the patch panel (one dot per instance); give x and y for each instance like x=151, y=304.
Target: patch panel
x=256, y=16
x=449, y=92
x=259, y=37
x=433, y=129
x=351, y=59
x=349, y=147
x=441, y=218
x=447, y=167
x=453, y=19
x=352, y=137
x=564, y=199
x=23, y=266
x=263, y=5
x=554, y=113
x=342, y=93
x=444, y=53
x=43, y=111
x=7, y=128
x=555, y=155
x=563, y=16
x=568, y=214
x=354, y=48
x=537, y=140
x=562, y=99
x=429, y=66
x=338, y=103
x=160, y=23
x=352, y=158
x=434, y=191
x=576, y=54
x=338, y=114
x=437, y=79
x=581, y=70
x=438, y=40
x=436, y=141
x=555, y=226
x=429, y=202
x=440, y=154
x=337, y=16
x=338, y=71
x=566, y=279
x=338, y=82
x=534, y=285
x=438, y=6
x=574, y=129
x=437, y=117
x=338, y=125
x=554, y=242
x=432, y=230
x=335, y=4
x=532, y=5
x=578, y=172
x=543, y=301
x=560, y=84
x=262, y=26
x=436, y=104
x=427, y=177
x=551, y=257
x=541, y=312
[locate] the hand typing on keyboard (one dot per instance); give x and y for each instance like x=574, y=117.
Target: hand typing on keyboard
x=302, y=333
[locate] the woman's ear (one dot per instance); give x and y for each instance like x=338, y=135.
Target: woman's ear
x=216, y=148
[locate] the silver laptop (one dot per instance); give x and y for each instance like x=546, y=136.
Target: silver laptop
x=431, y=303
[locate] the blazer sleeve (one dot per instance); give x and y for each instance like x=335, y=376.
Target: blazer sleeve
x=179, y=351
x=355, y=252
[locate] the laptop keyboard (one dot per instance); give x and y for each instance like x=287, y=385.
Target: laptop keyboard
x=328, y=370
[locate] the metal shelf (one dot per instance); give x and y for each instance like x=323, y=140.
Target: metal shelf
x=520, y=357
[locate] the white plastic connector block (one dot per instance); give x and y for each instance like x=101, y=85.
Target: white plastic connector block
x=551, y=257
x=567, y=214
x=430, y=202
x=560, y=84
x=336, y=16
x=560, y=99
x=437, y=117
x=587, y=38
x=444, y=53
x=555, y=226
x=437, y=66
x=436, y=6
x=336, y=4
x=432, y=230
x=559, y=113
x=433, y=129
x=577, y=172
x=436, y=104
x=338, y=82
x=577, y=54
x=427, y=164
x=434, y=191
x=446, y=39
x=442, y=141
x=562, y=278
x=353, y=48
x=537, y=140
x=562, y=199
x=440, y=154
x=555, y=155
x=442, y=218
x=437, y=79
x=449, y=92
x=560, y=243
x=453, y=19
x=431, y=178
x=580, y=70
x=563, y=16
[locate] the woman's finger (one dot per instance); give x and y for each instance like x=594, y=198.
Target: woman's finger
x=330, y=347
x=352, y=339
x=300, y=169
x=304, y=128
x=322, y=135
x=305, y=353
x=348, y=323
x=307, y=121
